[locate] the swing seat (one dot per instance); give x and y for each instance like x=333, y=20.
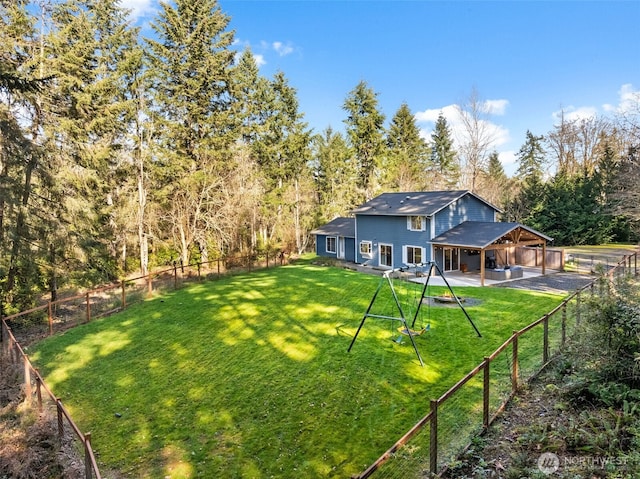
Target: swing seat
x=412, y=332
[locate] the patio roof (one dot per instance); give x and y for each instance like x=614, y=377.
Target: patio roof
x=489, y=235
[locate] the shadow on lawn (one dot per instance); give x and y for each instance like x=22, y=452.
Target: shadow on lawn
x=250, y=377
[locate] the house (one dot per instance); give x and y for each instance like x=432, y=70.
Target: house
x=458, y=230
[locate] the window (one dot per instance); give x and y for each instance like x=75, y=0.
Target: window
x=331, y=244
x=413, y=255
x=416, y=223
x=365, y=248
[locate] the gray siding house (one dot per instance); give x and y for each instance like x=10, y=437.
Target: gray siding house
x=458, y=230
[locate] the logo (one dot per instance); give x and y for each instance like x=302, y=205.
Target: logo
x=548, y=463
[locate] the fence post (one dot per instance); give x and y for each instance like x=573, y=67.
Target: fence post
x=175, y=276
x=27, y=379
x=39, y=392
x=199, y=264
x=218, y=268
x=564, y=324
x=50, y=317
x=87, y=456
x=149, y=284
x=578, y=306
x=433, y=438
x=60, y=419
x=124, y=295
x=486, y=394
x=514, y=362
x=267, y=258
x=88, y=307
x=545, y=346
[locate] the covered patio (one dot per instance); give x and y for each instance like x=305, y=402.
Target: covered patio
x=487, y=250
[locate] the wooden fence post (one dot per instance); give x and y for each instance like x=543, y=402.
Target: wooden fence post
x=199, y=264
x=39, y=392
x=149, y=284
x=27, y=379
x=218, y=268
x=545, y=340
x=578, y=306
x=514, y=362
x=433, y=438
x=60, y=419
x=87, y=456
x=124, y=295
x=175, y=276
x=50, y=317
x=88, y=307
x=486, y=394
x=564, y=324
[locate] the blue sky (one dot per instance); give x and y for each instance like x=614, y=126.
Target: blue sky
x=528, y=59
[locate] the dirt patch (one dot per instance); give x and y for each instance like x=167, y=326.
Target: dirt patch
x=29, y=444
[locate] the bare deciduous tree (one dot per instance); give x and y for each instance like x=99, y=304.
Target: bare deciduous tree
x=477, y=139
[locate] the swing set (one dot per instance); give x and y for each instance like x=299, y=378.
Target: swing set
x=405, y=329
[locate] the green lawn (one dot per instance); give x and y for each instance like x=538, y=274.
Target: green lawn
x=249, y=376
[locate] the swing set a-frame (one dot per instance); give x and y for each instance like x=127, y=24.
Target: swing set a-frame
x=405, y=329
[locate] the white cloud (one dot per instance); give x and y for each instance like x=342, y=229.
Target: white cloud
x=259, y=59
x=508, y=159
x=282, y=49
x=628, y=100
x=140, y=8
x=456, y=126
x=496, y=107
x=572, y=113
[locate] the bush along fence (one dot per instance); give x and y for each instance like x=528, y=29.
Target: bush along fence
x=55, y=316
x=450, y=424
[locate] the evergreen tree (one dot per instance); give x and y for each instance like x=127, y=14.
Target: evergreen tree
x=282, y=151
x=531, y=160
x=335, y=174
x=444, y=159
x=495, y=183
x=365, y=132
x=190, y=63
x=407, y=160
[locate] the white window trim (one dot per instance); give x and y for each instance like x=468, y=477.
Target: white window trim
x=423, y=223
x=405, y=253
x=335, y=242
x=368, y=254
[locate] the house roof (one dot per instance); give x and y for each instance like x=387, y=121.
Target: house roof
x=479, y=234
x=338, y=227
x=425, y=203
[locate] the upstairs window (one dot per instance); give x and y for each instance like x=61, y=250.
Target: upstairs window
x=416, y=223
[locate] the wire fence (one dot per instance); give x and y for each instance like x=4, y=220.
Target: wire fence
x=427, y=449
x=59, y=315
x=473, y=403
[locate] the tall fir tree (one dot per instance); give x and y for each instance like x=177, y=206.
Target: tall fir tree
x=406, y=165
x=444, y=158
x=335, y=174
x=365, y=130
x=189, y=67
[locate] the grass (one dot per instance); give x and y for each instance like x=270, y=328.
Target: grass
x=249, y=376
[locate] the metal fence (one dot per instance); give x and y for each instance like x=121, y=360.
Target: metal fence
x=54, y=316
x=473, y=403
